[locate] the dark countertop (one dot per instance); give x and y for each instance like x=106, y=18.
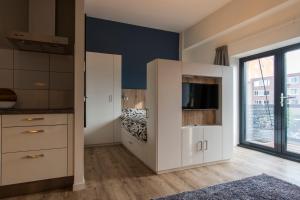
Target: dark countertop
x=16, y=111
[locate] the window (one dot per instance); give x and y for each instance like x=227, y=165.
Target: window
x=293, y=80
x=293, y=91
x=261, y=83
x=261, y=93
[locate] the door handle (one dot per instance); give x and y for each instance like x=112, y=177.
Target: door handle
x=282, y=98
x=34, y=119
x=200, y=146
x=205, y=145
x=33, y=131
x=34, y=156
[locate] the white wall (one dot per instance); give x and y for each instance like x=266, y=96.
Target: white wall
x=275, y=26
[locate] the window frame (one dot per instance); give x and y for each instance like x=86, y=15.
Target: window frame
x=279, y=86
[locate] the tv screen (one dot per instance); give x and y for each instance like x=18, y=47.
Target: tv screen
x=200, y=96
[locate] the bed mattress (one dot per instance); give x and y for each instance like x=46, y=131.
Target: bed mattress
x=134, y=122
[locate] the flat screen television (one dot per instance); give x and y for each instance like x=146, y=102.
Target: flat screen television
x=200, y=96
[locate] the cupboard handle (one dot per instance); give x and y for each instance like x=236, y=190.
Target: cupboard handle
x=205, y=145
x=33, y=131
x=110, y=98
x=200, y=146
x=147, y=113
x=34, y=156
x=34, y=119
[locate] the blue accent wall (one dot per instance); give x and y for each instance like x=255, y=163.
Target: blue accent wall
x=137, y=45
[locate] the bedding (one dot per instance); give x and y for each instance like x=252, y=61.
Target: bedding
x=134, y=122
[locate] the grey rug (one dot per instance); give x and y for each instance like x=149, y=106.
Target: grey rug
x=262, y=187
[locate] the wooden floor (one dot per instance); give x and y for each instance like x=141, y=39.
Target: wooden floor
x=113, y=173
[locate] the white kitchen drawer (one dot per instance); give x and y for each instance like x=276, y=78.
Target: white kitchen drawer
x=34, y=120
x=34, y=138
x=33, y=166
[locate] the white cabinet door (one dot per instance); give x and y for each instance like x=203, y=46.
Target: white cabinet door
x=192, y=146
x=212, y=143
x=117, y=97
x=227, y=110
x=169, y=112
x=99, y=106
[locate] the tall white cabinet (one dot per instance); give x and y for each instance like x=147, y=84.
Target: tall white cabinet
x=172, y=145
x=103, y=102
x=163, y=101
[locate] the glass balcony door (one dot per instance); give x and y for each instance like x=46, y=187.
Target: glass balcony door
x=290, y=102
x=259, y=101
x=270, y=102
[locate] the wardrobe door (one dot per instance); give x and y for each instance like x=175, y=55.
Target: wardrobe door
x=117, y=97
x=212, y=143
x=192, y=146
x=99, y=103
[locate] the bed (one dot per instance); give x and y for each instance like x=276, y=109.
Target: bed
x=134, y=135
x=134, y=122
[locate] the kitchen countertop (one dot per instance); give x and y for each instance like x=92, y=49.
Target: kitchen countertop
x=16, y=111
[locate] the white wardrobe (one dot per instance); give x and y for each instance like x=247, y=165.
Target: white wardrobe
x=163, y=103
x=103, y=98
x=172, y=145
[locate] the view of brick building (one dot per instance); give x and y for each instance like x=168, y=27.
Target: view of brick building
x=260, y=102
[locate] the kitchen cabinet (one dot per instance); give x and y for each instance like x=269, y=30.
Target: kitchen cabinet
x=35, y=147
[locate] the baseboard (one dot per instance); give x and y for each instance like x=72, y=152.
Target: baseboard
x=36, y=186
x=101, y=145
x=79, y=186
x=138, y=159
x=192, y=166
x=179, y=168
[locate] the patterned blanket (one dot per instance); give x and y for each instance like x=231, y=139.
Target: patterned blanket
x=134, y=121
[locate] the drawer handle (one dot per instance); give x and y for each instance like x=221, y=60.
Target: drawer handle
x=34, y=156
x=33, y=131
x=34, y=119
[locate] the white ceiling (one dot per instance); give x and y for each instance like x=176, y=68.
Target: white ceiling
x=171, y=15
